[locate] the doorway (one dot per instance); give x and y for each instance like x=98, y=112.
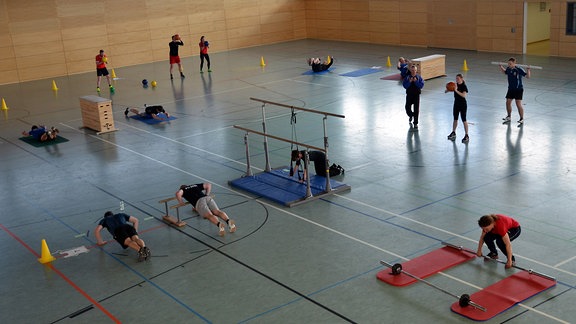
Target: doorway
x=537, y=28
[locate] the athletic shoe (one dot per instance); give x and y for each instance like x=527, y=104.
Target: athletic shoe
x=209, y=70
x=182, y=75
x=171, y=77
x=452, y=136
x=521, y=121
x=141, y=255
x=126, y=111
x=506, y=119
x=98, y=89
x=493, y=255
x=466, y=139
x=222, y=230
x=201, y=71
x=415, y=126
x=410, y=119
x=147, y=252
x=232, y=226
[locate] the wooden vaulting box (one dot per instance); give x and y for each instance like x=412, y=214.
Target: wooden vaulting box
x=97, y=114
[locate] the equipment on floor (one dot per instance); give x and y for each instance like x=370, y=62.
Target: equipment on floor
x=426, y=265
x=463, y=300
x=530, y=271
x=171, y=219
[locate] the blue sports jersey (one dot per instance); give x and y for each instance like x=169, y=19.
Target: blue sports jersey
x=515, y=77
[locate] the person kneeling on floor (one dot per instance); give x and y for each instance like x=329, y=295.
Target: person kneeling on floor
x=125, y=234
x=199, y=196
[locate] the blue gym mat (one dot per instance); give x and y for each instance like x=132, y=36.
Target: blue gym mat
x=152, y=121
x=278, y=186
x=310, y=72
x=361, y=72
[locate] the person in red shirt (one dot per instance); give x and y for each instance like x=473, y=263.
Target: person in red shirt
x=204, y=54
x=101, y=60
x=502, y=229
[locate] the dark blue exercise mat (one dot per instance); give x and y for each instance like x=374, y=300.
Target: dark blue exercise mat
x=361, y=72
x=152, y=121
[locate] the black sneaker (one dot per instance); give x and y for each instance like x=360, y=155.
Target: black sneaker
x=452, y=136
x=182, y=75
x=147, y=253
x=141, y=255
x=493, y=255
x=466, y=139
x=126, y=112
x=171, y=77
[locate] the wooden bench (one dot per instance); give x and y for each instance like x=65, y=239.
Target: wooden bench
x=171, y=219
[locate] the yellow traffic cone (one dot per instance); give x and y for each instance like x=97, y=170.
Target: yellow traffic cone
x=46, y=255
x=54, y=87
x=388, y=63
x=262, y=61
x=465, y=66
x=4, y=107
x=113, y=74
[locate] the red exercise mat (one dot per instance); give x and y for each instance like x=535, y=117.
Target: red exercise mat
x=426, y=265
x=503, y=295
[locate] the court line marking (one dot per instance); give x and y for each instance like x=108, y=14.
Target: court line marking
x=301, y=217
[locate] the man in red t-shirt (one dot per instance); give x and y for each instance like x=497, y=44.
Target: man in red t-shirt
x=502, y=229
x=101, y=70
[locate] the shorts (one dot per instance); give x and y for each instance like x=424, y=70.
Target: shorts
x=205, y=205
x=174, y=59
x=515, y=94
x=123, y=232
x=102, y=72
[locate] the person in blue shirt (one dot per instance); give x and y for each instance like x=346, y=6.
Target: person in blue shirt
x=515, y=88
x=402, y=66
x=413, y=83
x=42, y=134
x=125, y=234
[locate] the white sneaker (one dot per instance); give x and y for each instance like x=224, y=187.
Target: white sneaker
x=521, y=121
x=222, y=230
x=232, y=226
x=506, y=119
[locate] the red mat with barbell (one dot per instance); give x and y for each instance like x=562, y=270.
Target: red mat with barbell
x=426, y=265
x=504, y=294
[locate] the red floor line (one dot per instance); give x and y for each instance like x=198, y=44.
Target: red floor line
x=94, y=302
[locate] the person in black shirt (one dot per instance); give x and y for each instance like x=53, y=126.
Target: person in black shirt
x=199, y=196
x=319, y=159
x=149, y=112
x=174, y=57
x=460, y=108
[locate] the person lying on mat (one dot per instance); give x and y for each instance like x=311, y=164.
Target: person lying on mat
x=149, y=112
x=502, y=229
x=319, y=159
x=198, y=195
x=41, y=133
x=319, y=66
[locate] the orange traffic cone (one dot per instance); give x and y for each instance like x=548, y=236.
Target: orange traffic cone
x=46, y=255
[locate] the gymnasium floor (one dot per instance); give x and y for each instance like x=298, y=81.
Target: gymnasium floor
x=314, y=263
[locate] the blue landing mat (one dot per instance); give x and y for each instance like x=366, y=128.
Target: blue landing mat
x=152, y=121
x=361, y=72
x=278, y=186
x=310, y=72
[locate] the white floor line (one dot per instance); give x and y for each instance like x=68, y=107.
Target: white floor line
x=565, y=261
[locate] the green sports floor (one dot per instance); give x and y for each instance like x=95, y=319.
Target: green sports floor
x=313, y=263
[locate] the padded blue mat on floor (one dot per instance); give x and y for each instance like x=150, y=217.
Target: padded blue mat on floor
x=361, y=72
x=278, y=186
x=310, y=72
x=152, y=121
